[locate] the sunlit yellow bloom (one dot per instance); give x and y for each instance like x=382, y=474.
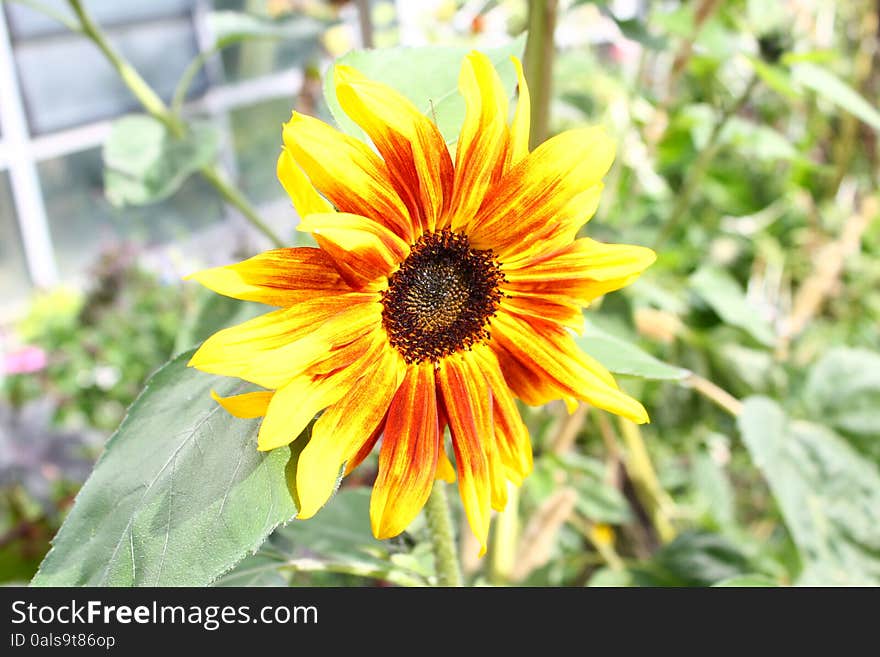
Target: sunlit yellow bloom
x=443, y=287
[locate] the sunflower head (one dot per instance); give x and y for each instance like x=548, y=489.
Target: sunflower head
x=443, y=288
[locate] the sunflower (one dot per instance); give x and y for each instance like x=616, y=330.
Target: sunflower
x=443, y=288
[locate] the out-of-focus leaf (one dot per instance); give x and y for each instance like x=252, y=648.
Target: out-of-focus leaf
x=721, y=291
x=775, y=77
x=746, y=581
x=608, y=577
x=596, y=499
x=828, y=494
x=229, y=27
x=835, y=90
x=179, y=496
x=699, y=559
x=714, y=488
x=428, y=76
x=747, y=137
x=144, y=163
x=622, y=357
x=843, y=391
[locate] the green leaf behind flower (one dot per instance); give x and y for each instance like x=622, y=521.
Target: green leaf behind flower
x=622, y=357
x=428, y=76
x=179, y=496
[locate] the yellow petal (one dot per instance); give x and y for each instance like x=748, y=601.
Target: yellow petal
x=299, y=188
x=343, y=429
x=519, y=129
x=259, y=350
x=445, y=469
x=246, y=406
x=553, y=355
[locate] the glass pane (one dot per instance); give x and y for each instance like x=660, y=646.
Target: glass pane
x=66, y=81
x=25, y=22
x=83, y=223
x=14, y=281
x=256, y=136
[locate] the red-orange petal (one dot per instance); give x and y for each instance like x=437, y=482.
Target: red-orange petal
x=261, y=350
x=482, y=141
x=549, y=353
x=280, y=277
x=511, y=434
x=347, y=172
x=532, y=197
x=461, y=407
x=414, y=151
x=483, y=407
x=362, y=250
x=409, y=453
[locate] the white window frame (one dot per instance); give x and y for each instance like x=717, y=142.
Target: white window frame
x=21, y=153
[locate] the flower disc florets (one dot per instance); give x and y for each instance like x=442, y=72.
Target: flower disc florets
x=442, y=297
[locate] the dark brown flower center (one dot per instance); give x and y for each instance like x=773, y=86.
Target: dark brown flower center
x=441, y=299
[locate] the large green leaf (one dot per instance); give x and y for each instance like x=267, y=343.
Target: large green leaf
x=721, y=291
x=622, y=357
x=179, y=495
x=428, y=76
x=835, y=90
x=843, y=391
x=828, y=494
x=144, y=163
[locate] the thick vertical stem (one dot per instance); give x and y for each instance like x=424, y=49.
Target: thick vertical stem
x=442, y=537
x=538, y=66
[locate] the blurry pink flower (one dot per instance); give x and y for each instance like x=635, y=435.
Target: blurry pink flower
x=24, y=361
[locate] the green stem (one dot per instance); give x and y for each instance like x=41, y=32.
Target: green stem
x=156, y=107
x=696, y=172
x=235, y=198
x=187, y=78
x=442, y=537
x=538, y=65
x=132, y=79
